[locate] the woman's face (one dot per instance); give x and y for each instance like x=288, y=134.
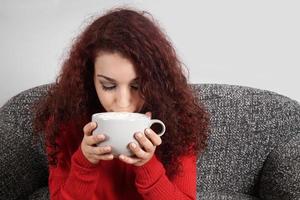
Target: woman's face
x=116, y=83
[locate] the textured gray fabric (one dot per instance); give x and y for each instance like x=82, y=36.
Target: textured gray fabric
x=253, y=150
x=23, y=167
x=40, y=194
x=254, y=137
x=281, y=172
x=208, y=195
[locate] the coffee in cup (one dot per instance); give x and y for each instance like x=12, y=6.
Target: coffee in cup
x=119, y=129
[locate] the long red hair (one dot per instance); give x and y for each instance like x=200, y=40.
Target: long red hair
x=133, y=34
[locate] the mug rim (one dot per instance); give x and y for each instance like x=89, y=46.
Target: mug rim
x=143, y=116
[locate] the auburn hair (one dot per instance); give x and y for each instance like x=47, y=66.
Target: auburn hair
x=72, y=99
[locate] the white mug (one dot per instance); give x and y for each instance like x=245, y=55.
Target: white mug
x=119, y=129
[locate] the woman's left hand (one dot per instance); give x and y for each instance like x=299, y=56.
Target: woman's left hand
x=143, y=153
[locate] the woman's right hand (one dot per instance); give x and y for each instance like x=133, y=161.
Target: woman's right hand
x=89, y=149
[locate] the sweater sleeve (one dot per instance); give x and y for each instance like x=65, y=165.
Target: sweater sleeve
x=76, y=182
x=152, y=182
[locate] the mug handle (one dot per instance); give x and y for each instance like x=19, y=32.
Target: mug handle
x=153, y=121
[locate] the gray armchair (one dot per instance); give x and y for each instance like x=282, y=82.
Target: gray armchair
x=253, y=150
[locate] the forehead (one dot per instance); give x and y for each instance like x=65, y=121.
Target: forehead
x=115, y=66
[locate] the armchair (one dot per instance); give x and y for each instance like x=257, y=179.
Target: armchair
x=253, y=148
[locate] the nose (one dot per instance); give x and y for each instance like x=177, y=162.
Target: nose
x=124, y=98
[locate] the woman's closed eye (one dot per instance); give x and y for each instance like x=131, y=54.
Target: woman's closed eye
x=135, y=86
x=108, y=87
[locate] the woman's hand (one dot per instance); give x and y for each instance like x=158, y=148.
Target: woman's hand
x=88, y=145
x=148, y=142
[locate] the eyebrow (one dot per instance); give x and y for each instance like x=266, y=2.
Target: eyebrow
x=113, y=80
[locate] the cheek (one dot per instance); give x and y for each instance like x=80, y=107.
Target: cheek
x=140, y=101
x=105, y=98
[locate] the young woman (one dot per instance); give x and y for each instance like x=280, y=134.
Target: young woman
x=122, y=62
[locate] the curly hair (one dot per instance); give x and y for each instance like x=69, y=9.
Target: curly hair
x=137, y=37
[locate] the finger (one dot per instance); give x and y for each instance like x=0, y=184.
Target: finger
x=101, y=150
x=104, y=157
x=153, y=137
x=149, y=114
x=129, y=160
x=144, y=142
x=94, y=139
x=138, y=151
x=88, y=128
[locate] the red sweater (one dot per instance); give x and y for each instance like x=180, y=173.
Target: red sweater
x=117, y=180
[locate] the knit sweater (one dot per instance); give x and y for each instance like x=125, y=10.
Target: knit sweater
x=115, y=179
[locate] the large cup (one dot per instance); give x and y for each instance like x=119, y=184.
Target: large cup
x=119, y=129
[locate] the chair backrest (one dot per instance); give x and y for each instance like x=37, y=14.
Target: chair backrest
x=23, y=163
x=248, y=127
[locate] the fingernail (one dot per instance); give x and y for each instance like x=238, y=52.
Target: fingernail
x=100, y=137
x=138, y=135
x=133, y=145
x=148, y=131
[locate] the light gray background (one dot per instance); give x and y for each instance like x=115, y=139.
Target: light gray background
x=253, y=43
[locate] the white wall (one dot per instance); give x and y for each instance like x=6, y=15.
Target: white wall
x=253, y=43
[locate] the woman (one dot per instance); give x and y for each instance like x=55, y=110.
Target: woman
x=122, y=62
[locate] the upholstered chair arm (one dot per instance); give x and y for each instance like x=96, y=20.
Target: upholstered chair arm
x=280, y=177
x=225, y=196
x=40, y=194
